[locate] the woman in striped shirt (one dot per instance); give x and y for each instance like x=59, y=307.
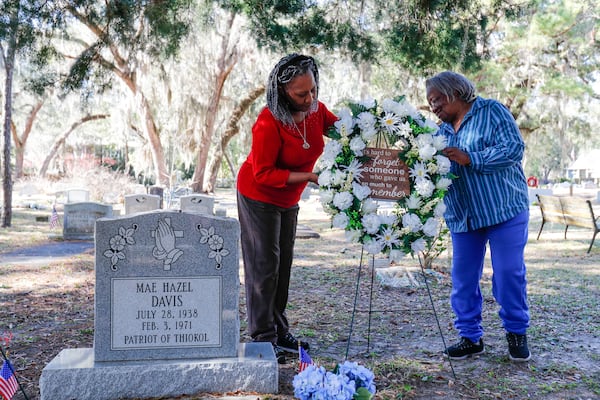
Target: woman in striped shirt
x=487, y=203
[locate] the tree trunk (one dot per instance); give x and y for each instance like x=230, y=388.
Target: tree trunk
x=62, y=138
x=226, y=62
x=21, y=142
x=9, y=63
x=122, y=69
x=231, y=130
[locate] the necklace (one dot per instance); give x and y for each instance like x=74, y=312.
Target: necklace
x=305, y=145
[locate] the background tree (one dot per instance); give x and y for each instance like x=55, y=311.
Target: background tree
x=24, y=28
x=126, y=37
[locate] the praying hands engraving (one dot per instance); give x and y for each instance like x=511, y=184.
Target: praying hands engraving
x=164, y=248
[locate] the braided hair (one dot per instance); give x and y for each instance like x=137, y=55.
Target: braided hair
x=288, y=68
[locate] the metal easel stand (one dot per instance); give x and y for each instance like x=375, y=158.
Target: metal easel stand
x=370, y=312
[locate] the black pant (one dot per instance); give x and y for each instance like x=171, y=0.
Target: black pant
x=267, y=236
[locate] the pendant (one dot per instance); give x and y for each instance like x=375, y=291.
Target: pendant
x=306, y=146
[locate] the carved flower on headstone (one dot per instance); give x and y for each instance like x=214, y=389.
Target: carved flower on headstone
x=117, y=244
x=215, y=244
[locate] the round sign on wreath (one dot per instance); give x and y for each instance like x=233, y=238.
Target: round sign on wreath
x=386, y=152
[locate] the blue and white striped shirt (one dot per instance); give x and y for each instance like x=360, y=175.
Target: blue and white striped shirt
x=493, y=189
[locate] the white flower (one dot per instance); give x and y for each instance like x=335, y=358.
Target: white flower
x=439, y=210
x=439, y=142
x=396, y=255
x=419, y=171
x=431, y=227
x=373, y=246
x=366, y=122
x=443, y=164
x=413, y=202
x=340, y=220
x=357, y=145
x=352, y=236
x=443, y=183
x=404, y=129
x=389, y=237
x=371, y=223
x=418, y=245
x=338, y=178
x=412, y=222
x=424, y=187
x=343, y=200
x=427, y=152
x=391, y=106
x=325, y=178
x=355, y=168
x=330, y=152
x=326, y=196
x=424, y=139
x=388, y=219
x=368, y=102
x=369, y=206
x=390, y=122
x=361, y=191
x=345, y=124
x=431, y=125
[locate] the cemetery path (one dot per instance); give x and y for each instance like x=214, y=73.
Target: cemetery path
x=46, y=253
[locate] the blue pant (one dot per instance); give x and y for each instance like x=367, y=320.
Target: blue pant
x=509, y=284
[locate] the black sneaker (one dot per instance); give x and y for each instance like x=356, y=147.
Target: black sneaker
x=279, y=354
x=290, y=344
x=465, y=348
x=517, y=347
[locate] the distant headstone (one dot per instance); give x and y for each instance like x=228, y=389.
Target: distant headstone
x=157, y=191
x=166, y=314
x=77, y=195
x=198, y=203
x=80, y=219
x=138, y=203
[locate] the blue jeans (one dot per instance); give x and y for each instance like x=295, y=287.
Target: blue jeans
x=509, y=283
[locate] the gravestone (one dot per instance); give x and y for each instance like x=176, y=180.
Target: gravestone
x=202, y=204
x=138, y=203
x=77, y=195
x=80, y=219
x=157, y=191
x=166, y=314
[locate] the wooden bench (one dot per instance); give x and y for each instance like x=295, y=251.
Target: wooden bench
x=568, y=211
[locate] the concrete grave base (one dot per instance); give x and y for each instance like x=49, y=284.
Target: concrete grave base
x=73, y=374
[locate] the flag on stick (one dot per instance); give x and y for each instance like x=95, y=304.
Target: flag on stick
x=8, y=381
x=305, y=359
x=53, y=218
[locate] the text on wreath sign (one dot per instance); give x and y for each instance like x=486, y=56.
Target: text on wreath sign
x=386, y=175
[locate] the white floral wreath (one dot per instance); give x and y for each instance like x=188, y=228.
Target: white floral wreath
x=414, y=225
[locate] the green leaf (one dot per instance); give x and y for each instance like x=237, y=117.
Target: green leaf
x=362, y=394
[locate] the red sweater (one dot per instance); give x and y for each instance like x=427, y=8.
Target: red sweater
x=277, y=151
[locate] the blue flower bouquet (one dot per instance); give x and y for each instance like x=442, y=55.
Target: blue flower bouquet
x=348, y=381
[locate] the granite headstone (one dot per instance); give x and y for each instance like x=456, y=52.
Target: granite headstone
x=80, y=219
x=139, y=203
x=166, y=315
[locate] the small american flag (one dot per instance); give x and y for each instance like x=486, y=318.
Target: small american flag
x=8, y=381
x=305, y=359
x=53, y=218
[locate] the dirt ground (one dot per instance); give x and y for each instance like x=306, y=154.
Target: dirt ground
x=48, y=306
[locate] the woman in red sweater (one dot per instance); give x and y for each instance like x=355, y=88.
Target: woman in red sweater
x=287, y=140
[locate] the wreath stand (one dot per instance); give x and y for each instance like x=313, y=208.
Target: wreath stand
x=371, y=311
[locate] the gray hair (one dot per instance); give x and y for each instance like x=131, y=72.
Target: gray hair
x=288, y=68
x=452, y=85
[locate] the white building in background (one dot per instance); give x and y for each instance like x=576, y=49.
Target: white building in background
x=586, y=167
